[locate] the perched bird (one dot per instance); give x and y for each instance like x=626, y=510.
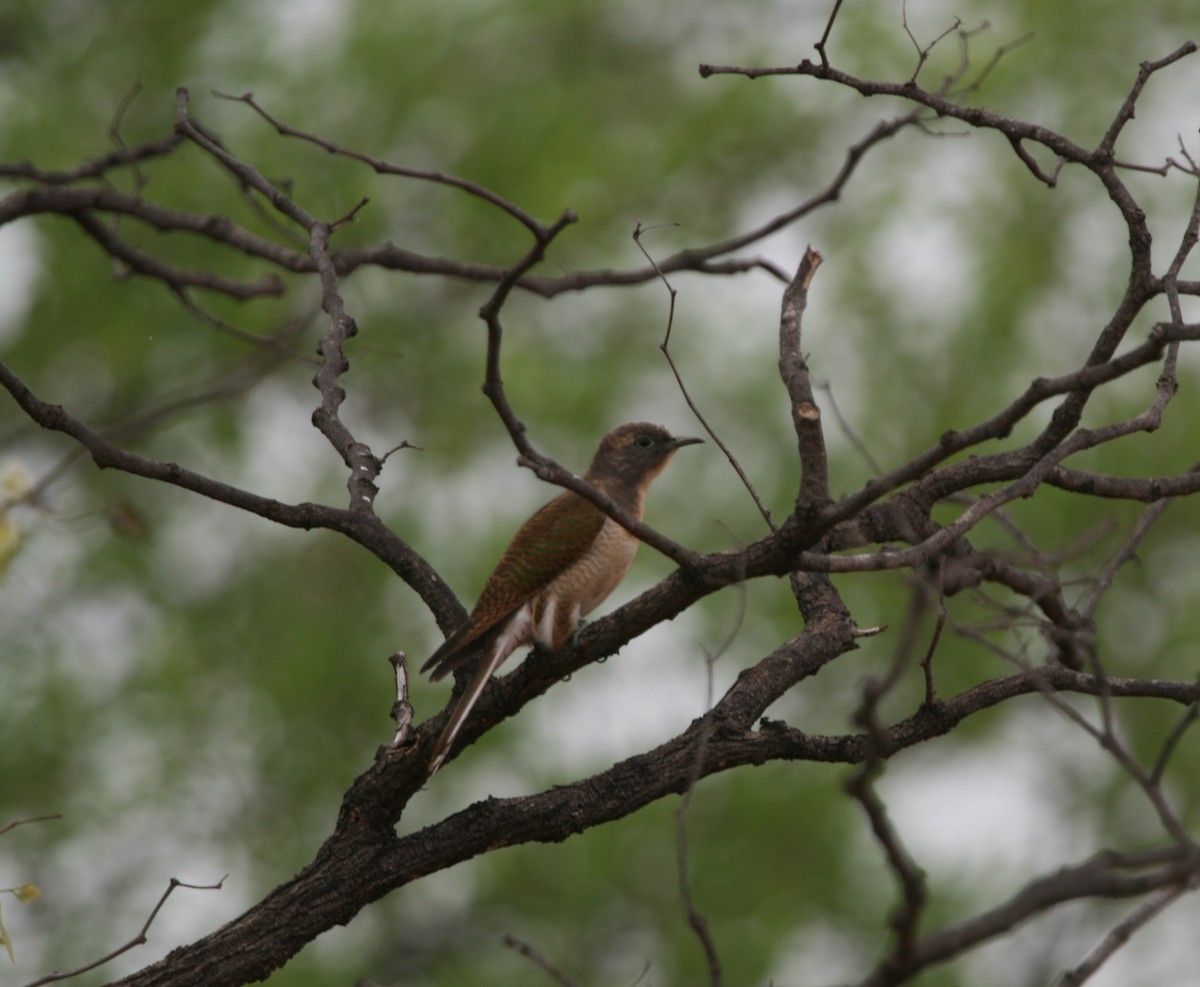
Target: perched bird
x=562, y=564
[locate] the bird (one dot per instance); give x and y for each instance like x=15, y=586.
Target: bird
x=561, y=564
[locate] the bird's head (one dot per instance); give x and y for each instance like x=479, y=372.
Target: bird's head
x=634, y=454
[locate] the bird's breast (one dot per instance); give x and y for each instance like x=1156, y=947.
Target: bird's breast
x=584, y=585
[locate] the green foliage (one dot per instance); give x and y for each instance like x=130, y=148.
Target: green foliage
x=194, y=690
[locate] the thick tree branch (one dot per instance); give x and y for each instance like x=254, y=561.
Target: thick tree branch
x=364, y=860
x=806, y=416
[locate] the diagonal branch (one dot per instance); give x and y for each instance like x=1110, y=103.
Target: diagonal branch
x=1107, y=875
x=543, y=466
x=387, y=168
x=366, y=529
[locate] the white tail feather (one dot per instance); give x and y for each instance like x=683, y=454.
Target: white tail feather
x=512, y=635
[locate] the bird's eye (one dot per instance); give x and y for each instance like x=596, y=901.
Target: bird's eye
x=643, y=442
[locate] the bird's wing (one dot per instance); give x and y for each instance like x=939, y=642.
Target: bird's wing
x=546, y=546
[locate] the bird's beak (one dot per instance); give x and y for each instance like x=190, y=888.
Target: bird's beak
x=683, y=441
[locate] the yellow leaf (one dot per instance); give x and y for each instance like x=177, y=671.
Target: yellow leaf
x=10, y=541
x=14, y=480
x=6, y=942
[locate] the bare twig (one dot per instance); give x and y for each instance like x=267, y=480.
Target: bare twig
x=927, y=660
x=1110, y=875
x=538, y=960
x=665, y=347
x=363, y=465
x=1106, y=737
x=848, y=430
x=1190, y=716
x=368, y=531
x=177, y=278
x=923, y=52
x=95, y=168
x=906, y=916
x=542, y=466
x=1109, y=141
x=1127, y=551
x=386, y=167
x=1002, y=423
x=1120, y=933
x=860, y=785
x=977, y=83
x=820, y=45
x=25, y=822
x=139, y=939
x=402, y=711
x=696, y=919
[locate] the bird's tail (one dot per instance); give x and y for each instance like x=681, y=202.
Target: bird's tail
x=514, y=632
x=487, y=666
